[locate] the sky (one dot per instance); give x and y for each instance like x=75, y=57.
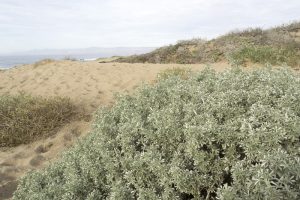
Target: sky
x=60, y=24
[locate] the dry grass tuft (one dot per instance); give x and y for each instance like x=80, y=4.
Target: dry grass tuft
x=24, y=118
x=43, y=62
x=175, y=71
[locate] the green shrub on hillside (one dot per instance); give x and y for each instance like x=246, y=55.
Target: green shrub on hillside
x=230, y=135
x=265, y=55
x=276, y=45
x=24, y=118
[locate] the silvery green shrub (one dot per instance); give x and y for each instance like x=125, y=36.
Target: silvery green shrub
x=230, y=135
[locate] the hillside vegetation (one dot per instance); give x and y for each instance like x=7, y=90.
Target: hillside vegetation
x=24, y=118
x=230, y=135
x=276, y=46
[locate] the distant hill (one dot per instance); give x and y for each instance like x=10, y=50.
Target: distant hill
x=275, y=46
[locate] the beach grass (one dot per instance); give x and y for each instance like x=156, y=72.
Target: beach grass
x=24, y=118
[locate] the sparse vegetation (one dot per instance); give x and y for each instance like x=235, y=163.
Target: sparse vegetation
x=176, y=71
x=280, y=45
x=230, y=135
x=108, y=60
x=69, y=58
x=24, y=118
x=265, y=55
x=43, y=62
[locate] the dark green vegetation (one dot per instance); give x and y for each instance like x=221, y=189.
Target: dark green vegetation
x=231, y=135
x=24, y=118
x=276, y=46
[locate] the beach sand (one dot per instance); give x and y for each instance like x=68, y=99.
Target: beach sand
x=89, y=85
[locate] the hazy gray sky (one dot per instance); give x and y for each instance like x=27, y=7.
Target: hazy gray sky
x=40, y=24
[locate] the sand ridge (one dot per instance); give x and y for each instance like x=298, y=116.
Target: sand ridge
x=89, y=85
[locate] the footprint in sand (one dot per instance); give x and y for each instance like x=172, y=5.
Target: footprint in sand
x=93, y=105
x=20, y=155
x=23, y=81
x=4, y=178
x=56, y=91
x=68, y=137
x=37, y=160
x=75, y=132
x=43, y=148
x=127, y=84
x=7, y=190
x=78, y=80
x=67, y=86
x=8, y=169
x=94, y=79
x=45, y=78
x=117, y=83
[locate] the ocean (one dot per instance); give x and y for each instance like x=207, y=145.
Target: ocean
x=12, y=61
x=29, y=57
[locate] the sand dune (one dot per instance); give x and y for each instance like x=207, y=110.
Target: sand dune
x=87, y=84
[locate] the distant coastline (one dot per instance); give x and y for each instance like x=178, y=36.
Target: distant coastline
x=88, y=54
x=13, y=61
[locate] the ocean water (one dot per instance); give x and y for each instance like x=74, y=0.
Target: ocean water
x=8, y=61
x=12, y=61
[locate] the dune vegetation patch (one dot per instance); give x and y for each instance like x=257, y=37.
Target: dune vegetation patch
x=43, y=62
x=181, y=72
x=277, y=46
x=265, y=55
x=229, y=135
x=24, y=118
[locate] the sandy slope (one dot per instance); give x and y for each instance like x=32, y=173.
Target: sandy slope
x=88, y=84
